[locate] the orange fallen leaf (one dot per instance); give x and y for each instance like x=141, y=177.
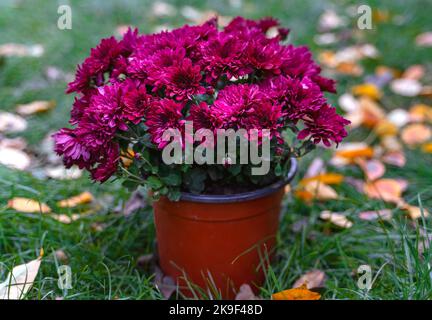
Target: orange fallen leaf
x=416, y=134
x=372, y=113
x=427, y=147
x=388, y=190
x=384, y=214
x=326, y=178
x=415, y=72
x=312, y=279
x=391, y=143
x=373, y=169
x=337, y=219
x=34, y=107
x=301, y=293
x=351, y=154
x=82, y=198
x=367, y=89
x=28, y=205
x=64, y=218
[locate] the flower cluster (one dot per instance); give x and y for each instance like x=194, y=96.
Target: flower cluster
x=242, y=76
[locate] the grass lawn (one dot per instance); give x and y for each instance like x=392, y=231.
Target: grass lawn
x=103, y=248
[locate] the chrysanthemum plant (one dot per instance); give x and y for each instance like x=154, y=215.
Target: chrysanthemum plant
x=244, y=76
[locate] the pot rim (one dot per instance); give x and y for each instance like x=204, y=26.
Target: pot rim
x=243, y=196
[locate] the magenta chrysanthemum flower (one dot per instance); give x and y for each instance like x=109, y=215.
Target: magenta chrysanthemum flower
x=164, y=115
x=324, y=125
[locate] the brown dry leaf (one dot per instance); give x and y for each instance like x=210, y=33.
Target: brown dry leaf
x=61, y=256
x=246, y=293
x=82, y=198
x=384, y=214
x=427, y=147
x=424, y=39
x=20, y=280
x=415, y=134
x=415, y=212
x=395, y=158
x=14, y=158
x=10, y=122
x=20, y=50
x=312, y=279
x=373, y=169
x=35, y=107
x=415, y=72
x=28, y=205
x=349, y=68
x=337, y=219
x=420, y=112
x=165, y=284
x=406, y=87
x=391, y=144
x=367, y=89
x=388, y=190
x=426, y=91
x=301, y=293
x=320, y=191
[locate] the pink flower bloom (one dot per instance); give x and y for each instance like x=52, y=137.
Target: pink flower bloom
x=324, y=125
x=163, y=115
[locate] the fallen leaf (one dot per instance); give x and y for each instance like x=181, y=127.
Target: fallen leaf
x=313, y=279
x=330, y=20
x=424, y=39
x=62, y=173
x=352, y=151
x=301, y=293
x=245, y=293
x=10, y=122
x=406, y=87
x=399, y=117
x=415, y=134
x=28, y=205
x=163, y=9
x=395, y=158
x=20, y=280
x=82, y=198
x=316, y=167
x=420, y=112
x=17, y=143
x=14, y=158
x=415, y=212
x=20, y=50
x=348, y=103
x=388, y=190
x=134, y=203
x=372, y=113
x=367, y=89
x=337, y=219
x=163, y=283
x=35, y=107
x=373, y=169
x=415, y=72
x=326, y=178
x=391, y=143
x=384, y=214
x=385, y=128
x=427, y=147
x=66, y=219
x=146, y=260
x=319, y=191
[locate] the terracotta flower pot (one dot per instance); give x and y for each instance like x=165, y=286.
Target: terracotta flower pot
x=219, y=242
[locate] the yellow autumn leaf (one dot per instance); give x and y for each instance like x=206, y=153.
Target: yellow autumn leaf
x=82, y=198
x=28, y=205
x=415, y=212
x=300, y=293
x=372, y=112
x=367, y=89
x=351, y=154
x=35, y=107
x=385, y=128
x=420, y=112
x=427, y=147
x=326, y=178
x=320, y=191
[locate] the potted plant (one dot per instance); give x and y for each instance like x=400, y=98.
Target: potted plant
x=152, y=109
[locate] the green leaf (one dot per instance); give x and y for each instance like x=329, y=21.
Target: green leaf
x=154, y=182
